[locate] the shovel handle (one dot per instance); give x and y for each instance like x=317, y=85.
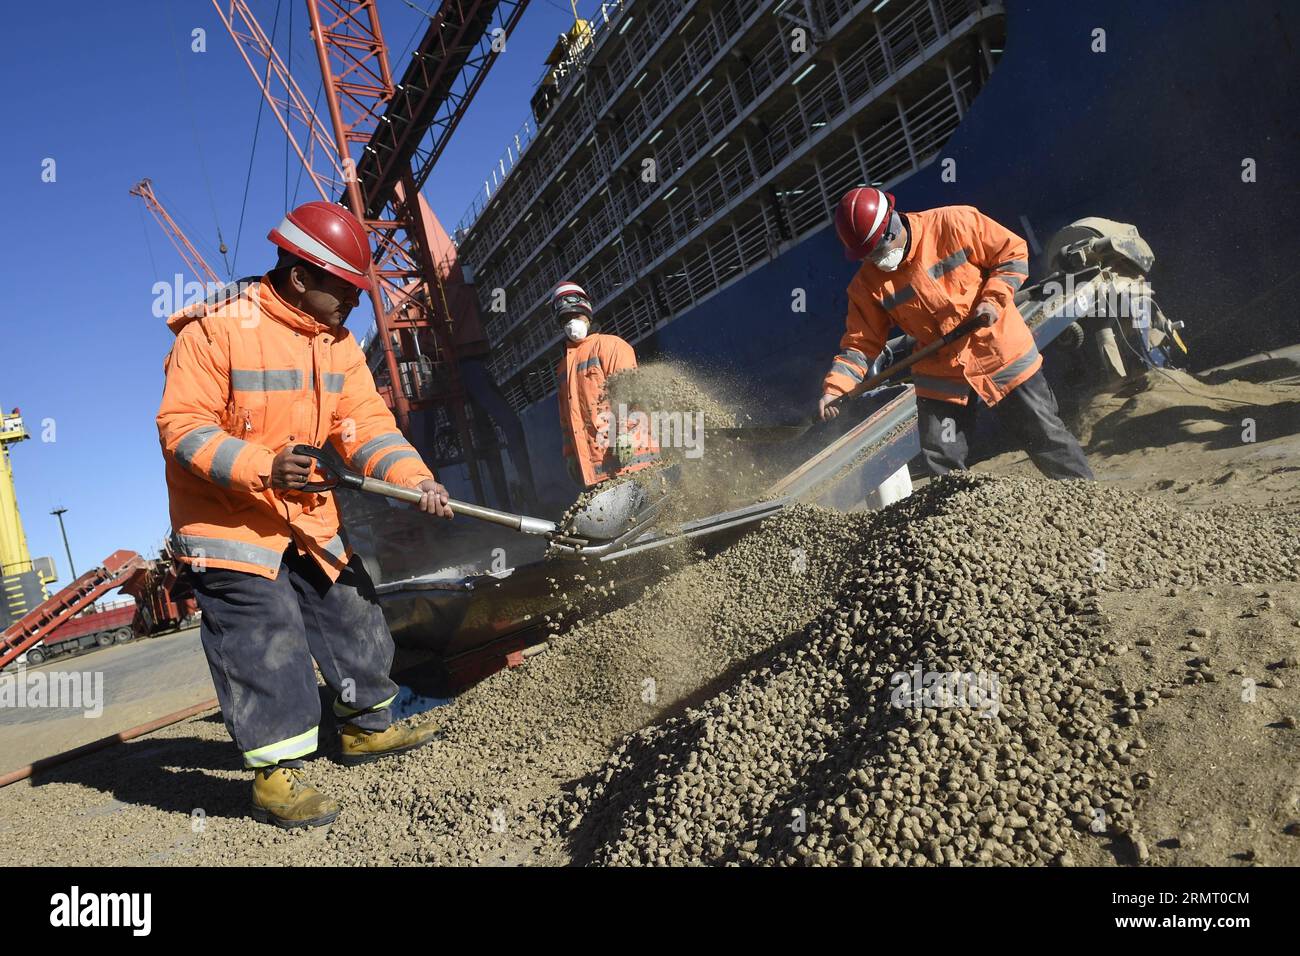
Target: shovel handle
x=961, y=331
x=327, y=461
x=505, y=518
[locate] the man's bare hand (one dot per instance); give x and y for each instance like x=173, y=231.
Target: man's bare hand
x=435, y=498
x=290, y=471
x=825, y=410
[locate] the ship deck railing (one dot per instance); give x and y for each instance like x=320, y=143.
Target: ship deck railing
x=814, y=135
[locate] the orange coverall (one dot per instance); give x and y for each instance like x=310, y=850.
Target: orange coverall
x=958, y=258
x=586, y=423
x=248, y=375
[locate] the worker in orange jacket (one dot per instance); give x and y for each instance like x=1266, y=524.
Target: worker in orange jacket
x=599, y=442
x=927, y=272
x=262, y=366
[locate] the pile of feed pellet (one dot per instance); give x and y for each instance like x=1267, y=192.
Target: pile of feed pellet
x=513, y=740
x=741, y=709
x=944, y=708
x=671, y=387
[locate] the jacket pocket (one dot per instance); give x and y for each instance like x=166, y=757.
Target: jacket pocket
x=249, y=422
x=246, y=423
x=988, y=350
x=965, y=287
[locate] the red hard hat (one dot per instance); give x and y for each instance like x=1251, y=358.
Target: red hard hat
x=329, y=236
x=861, y=219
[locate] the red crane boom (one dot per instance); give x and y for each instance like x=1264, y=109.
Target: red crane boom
x=377, y=129
x=197, y=264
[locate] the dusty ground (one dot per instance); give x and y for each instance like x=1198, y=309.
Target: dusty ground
x=1224, y=765
x=1225, y=770
x=1215, y=782
x=141, y=681
x=1190, y=441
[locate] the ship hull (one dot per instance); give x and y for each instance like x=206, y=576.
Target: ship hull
x=1158, y=130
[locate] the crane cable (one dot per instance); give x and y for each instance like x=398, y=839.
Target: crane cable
x=198, y=146
x=302, y=167
x=252, y=153
x=288, y=59
x=144, y=226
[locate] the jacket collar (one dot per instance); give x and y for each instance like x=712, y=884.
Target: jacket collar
x=259, y=297
x=285, y=314
x=910, y=249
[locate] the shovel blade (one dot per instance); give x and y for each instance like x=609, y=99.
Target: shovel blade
x=609, y=512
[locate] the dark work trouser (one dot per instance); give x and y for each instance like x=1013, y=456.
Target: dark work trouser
x=260, y=638
x=1029, y=412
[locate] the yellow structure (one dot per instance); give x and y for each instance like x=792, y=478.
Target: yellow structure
x=14, y=557
x=559, y=61
x=15, y=560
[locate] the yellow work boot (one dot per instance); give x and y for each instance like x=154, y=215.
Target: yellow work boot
x=362, y=746
x=281, y=796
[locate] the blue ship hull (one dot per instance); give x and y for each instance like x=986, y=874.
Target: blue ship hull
x=1154, y=131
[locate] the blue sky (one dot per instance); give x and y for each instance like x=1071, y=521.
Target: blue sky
x=112, y=93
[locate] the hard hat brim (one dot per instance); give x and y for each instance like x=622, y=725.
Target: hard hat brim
x=361, y=281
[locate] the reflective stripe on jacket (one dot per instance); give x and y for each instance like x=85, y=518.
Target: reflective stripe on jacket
x=248, y=375
x=586, y=424
x=958, y=258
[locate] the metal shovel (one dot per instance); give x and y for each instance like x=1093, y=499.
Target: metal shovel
x=336, y=474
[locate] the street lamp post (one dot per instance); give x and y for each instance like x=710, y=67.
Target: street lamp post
x=59, y=513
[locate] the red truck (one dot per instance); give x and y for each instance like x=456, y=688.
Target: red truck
x=159, y=600
x=163, y=597
x=106, y=624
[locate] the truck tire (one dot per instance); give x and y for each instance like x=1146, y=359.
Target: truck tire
x=123, y=634
x=1072, y=337
x=35, y=656
x=104, y=638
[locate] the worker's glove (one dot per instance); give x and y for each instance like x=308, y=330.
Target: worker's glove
x=988, y=310
x=624, y=449
x=825, y=410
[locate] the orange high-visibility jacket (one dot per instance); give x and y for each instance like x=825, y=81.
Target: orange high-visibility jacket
x=958, y=258
x=248, y=375
x=586, y=422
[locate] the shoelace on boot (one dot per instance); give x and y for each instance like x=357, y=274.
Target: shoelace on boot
x=297, y=781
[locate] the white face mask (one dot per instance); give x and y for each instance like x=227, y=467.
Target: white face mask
x=891, y=260
x=576, y=329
